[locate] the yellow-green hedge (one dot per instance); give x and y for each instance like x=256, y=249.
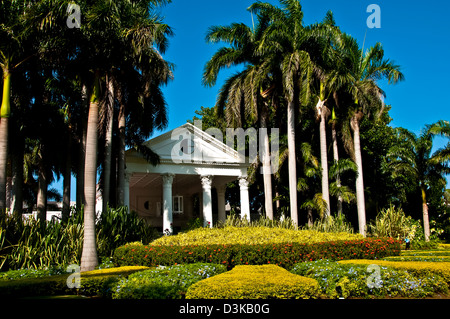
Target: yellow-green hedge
x=418, y=267
x=92, y=283
x=98, y=282
x=255, y=282
x=231, y=235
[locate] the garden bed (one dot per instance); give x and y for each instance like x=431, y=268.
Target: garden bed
x=360, y=279
x=286, y=251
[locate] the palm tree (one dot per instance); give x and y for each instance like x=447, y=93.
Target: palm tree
x=247, y=94
x=441, y=128
x=342, y=192
x=114, y=28
x=284, y=43
x=365, y=68
x=13, y=52
x=146, y=104
x=412, y=156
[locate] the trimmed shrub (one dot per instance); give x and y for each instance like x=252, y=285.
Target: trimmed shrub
x=30, y=273
x=283, y=254
x=231, y=235
x=99, y=282
x=44, y=286
x=164, y=282
x=351, y=280
x=255, y=282
x=94, y=282
x=425, y=253
x=419, y=268
x=419, y=258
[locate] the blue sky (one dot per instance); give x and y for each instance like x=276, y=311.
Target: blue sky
x=415, y=34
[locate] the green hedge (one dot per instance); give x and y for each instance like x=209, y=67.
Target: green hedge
x=255, y=282
x=351, y=280
x=164, y=282
x=96, y=282
x=285, y=255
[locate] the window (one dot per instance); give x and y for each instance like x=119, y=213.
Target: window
x=177, y=204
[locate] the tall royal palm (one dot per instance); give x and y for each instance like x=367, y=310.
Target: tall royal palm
x=329, y=78
x=413, y=156
x=116, y=17
x=104, y=33
x=13, y=51
x=287, y=43
x=367, y=97
x=249, y=90
x=146, y=106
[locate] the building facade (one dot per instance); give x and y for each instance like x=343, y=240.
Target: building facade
x=194, y=168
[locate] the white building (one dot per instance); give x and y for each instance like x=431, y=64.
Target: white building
x=192, y=163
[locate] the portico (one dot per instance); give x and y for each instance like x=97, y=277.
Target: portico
x=190, y=180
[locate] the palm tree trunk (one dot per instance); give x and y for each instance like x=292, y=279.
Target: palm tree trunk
x=336, y=159
x=108, y=144
x=426, y=222
x=121, y=159
x=17, y=178
x=292, y=164
x=8, y=191
x=41, y=202
x=89, y=254
x=323, y=155
x=267, y=176
x=4, y=137
x=66, y=183
x=359, y=179
x=82, y=150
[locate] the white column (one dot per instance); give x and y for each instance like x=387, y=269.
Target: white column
x=207, y=200
x=221, y=202
x=126, y=191
x=245, y=202
x=167, y=203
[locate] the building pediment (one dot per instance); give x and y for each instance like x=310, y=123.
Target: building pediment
x=188, y=144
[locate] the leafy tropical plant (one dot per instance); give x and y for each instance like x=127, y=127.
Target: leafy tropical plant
x=29, y=243
x=116, y=227
x=332, y=224
x=392, y=222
